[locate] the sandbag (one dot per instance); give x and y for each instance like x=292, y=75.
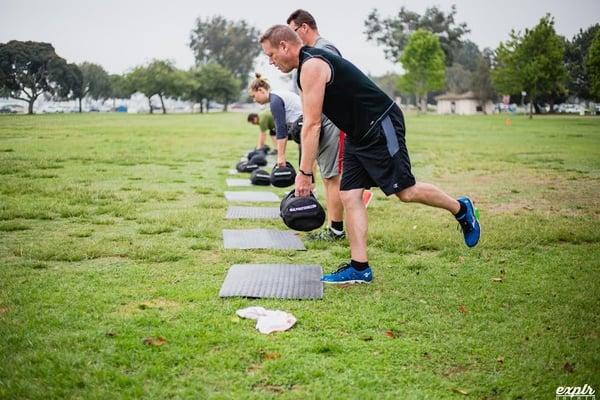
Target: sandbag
x=283, y=176
x=245, y=166
x=259, y=159
x=301, y=213
x=295, y=129
x=264, y=151
x=260, y=177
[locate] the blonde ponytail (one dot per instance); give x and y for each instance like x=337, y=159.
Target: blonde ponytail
x=259, y=82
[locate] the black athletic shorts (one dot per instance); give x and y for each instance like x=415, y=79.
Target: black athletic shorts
x=382, y=161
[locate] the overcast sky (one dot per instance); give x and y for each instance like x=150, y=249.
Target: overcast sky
x=121, y=34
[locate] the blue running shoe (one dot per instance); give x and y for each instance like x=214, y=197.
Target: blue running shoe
x=346, y=273
x=468, y=222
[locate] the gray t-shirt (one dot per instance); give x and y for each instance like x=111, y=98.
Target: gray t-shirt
x=325, y=44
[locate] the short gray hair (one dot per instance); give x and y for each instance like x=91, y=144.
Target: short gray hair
x=280, y=33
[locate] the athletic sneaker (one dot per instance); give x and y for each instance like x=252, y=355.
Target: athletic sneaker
x=468, y=222
x=327, y=235
x=346, y=273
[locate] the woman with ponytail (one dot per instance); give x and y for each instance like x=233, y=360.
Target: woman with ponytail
x=285, y=107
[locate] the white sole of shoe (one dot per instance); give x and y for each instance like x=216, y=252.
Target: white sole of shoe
x=341, y=283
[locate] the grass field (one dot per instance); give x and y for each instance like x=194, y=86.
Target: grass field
x=110, y=234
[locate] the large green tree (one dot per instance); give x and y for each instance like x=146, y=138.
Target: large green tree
x=532, y=62
x=69, y=83
x=95, y=82
x=461, y=74
x=593, y=67
x=481, y=80
x=120, y=87
x=28, y=69
x=233, y=45
x=159, y=78
x=576, y=51
x=423, y=61
x=466, y=54
x=207, y=83
x=219, y=84
x=458, y=79
x=394, y=32
x=193, y=86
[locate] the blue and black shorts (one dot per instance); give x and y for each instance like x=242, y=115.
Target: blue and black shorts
x=383, y=161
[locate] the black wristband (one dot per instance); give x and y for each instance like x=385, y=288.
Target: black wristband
x=312, y=178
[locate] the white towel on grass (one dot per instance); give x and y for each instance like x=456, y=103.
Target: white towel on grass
x=268, y=321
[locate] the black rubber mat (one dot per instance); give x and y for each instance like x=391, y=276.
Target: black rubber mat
x=278, y=281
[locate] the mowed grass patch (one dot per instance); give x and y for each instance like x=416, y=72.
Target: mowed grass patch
x=111, y=260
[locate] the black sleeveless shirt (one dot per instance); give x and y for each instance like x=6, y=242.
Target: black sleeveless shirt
x=352, y=101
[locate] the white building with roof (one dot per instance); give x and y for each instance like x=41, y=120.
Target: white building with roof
x=462, y=104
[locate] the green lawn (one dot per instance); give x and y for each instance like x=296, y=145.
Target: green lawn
x=110, y=233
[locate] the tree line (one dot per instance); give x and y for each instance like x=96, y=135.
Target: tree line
x=224, y=51
x=538, y=64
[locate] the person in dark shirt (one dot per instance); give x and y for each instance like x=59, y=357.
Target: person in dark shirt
x=375, y=152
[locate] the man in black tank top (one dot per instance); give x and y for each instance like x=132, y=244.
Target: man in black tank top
x=375, y=153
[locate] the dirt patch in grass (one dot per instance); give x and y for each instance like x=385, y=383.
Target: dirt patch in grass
x=252, y=369
x=454, y=371
x=137, y=307
x=527, y=190
x=274, y=389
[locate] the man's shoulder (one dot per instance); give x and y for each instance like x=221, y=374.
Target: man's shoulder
x=325, y=44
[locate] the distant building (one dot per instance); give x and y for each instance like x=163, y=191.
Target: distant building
x=462, y=104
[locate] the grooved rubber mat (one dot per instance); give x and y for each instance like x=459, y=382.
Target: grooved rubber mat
x=252, y=196
x=261, y=239
x=238, y=182
x=279, y=281
x=236, y=212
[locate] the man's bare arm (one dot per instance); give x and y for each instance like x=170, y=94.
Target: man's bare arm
x=313, y=78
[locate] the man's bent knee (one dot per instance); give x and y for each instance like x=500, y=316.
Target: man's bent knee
x=406, y=195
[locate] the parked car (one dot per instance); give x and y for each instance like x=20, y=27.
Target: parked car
x=7, y=110
x=214, y=105
x=51, y=108
x=569, y=108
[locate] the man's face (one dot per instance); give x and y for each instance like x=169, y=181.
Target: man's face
x=279, y=56
x=301, y=30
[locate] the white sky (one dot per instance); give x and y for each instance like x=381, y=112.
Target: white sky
x=121, y=34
